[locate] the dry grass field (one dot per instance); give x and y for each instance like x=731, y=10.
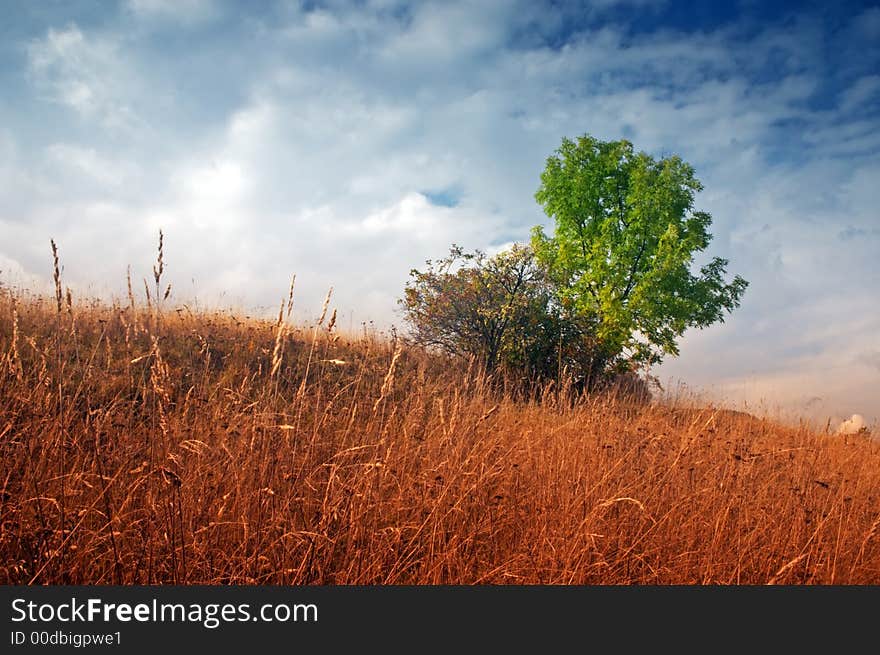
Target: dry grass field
x=143, y=443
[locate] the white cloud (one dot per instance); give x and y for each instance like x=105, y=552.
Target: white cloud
x=215, y=188
x=180, y=11
x=863, y=90
x=13, y=275
x=85, y=74
x=88, y=163
x=19, y=181
x=441, y=33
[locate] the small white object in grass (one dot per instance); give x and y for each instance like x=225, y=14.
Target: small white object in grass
x=853, y=425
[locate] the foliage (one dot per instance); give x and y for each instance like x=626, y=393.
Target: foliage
x=625, y=238
x=501, y=310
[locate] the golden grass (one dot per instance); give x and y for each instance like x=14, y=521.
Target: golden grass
x=205, y=448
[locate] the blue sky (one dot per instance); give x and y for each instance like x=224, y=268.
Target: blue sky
x=347, y=142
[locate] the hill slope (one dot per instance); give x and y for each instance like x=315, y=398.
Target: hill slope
x=147, y=447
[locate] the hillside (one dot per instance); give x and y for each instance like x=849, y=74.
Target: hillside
x=142, y=446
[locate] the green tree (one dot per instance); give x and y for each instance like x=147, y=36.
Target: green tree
x=624, y=243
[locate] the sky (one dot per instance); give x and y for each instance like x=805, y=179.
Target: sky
x=347, y=142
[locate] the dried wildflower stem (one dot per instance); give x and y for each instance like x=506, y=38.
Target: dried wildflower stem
x=15, y=355
x=278, y=350
x=324, y=306
x=388, y=382
x=61, y=436
x=56, y=275
x=280, y=336
x=305, y=378
x=158, y=269
x=290, y=296
x=131, y=304
x=160, y=380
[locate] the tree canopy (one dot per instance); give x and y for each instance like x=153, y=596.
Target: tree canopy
x=625, y=237
x=501, y=310
x=611, y=289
